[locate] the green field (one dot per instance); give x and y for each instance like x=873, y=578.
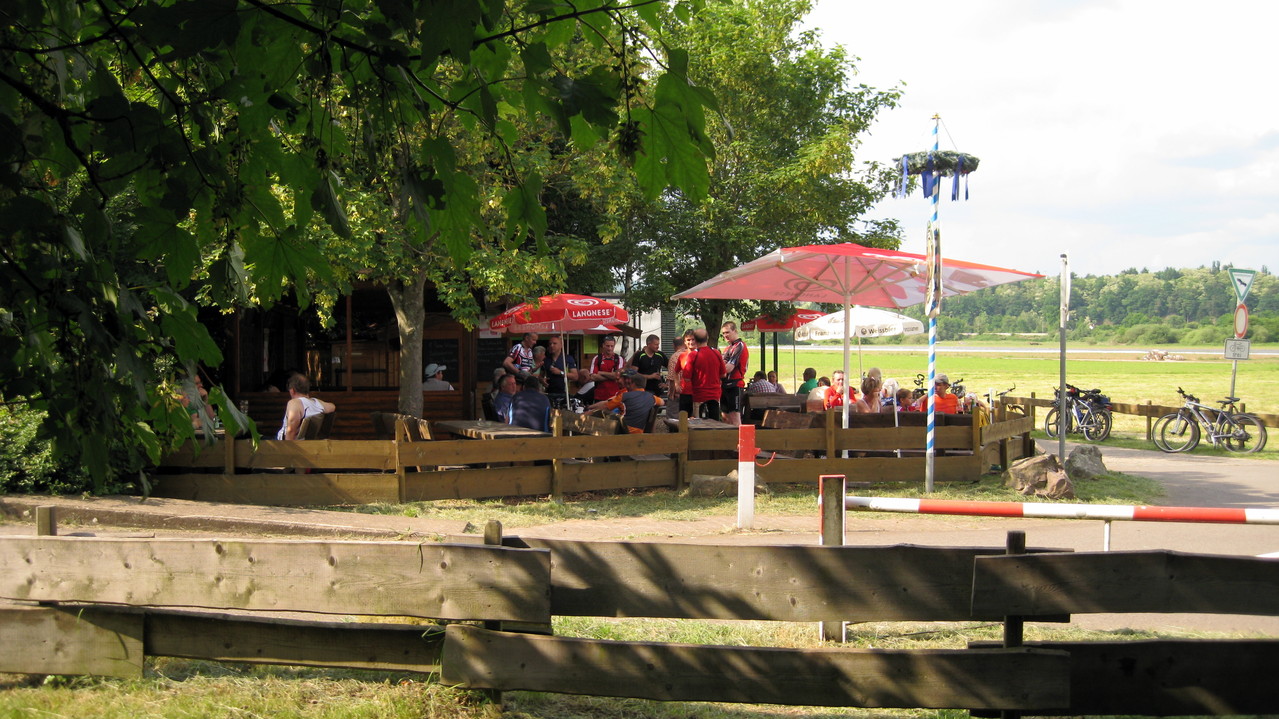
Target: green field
x=1123, y=376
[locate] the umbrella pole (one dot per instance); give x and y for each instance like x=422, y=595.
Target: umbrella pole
x=846, y=368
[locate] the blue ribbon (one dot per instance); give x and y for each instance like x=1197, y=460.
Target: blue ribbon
x=929, y=178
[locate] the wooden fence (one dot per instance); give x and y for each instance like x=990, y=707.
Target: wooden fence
x=329, y=472
x=1149, y=410
x=107, y=604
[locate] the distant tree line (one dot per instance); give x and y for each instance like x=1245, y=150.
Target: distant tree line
x=1171, y=306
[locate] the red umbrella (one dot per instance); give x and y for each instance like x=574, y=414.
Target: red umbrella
x=764, y=323
x=560, y=313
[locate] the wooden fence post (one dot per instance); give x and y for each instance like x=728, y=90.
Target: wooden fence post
x=493, y=537
x=557, y=463
x=1150, y=425
x=47, y=521
x=1014, y=626
x=831, y=419
x=831, y=489
x=228, y=454
x=681, y=459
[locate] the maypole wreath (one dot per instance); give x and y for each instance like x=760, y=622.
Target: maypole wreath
x=932, y=166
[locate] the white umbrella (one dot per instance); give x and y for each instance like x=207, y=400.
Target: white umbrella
x=862, y=322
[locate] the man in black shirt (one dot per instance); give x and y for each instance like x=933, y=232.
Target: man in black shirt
x=650, y=362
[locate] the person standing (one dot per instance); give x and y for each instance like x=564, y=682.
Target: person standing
x=606, y=370
x=301, y=405
x=557, y=368
x=519, y=361
x=736, y=360
x=707, y=372
x=680, y=380
x=649, y=363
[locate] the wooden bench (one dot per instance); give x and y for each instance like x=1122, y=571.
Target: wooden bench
x=757, y=404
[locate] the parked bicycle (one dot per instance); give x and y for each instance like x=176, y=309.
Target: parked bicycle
x=1181, y=431
x=1090, y=414
x=992, y=401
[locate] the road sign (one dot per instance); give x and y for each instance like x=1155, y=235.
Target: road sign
x=1241, y=280
x=1237, y=349
x=1241, y=320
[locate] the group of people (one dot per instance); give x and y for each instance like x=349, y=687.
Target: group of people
x=705, y=382
x=877, y=395
x=546, y=374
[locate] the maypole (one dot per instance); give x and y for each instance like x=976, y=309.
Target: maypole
x=931, y=167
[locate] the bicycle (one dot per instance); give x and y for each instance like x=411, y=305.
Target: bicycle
x=1180, y=431
x=1090, y=414
x=997, y=398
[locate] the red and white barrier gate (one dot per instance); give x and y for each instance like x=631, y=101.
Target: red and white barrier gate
x=1104, y=512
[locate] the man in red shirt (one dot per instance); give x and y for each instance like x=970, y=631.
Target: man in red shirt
x=707, y=369
x=736, y=357
x=606, y=370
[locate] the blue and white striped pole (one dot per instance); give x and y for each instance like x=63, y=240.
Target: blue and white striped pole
x=934, y=308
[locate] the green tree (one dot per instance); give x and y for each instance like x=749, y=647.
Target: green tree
x=785, y=171
x=144, y=145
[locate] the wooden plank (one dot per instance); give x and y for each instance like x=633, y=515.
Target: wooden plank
x=278, y=489
x=443, y=581
x=1006, y=430
x=784, y=583
x=48, y=640
x=1167, y=677
x=523, y=481
x=1123, y=582
x=321, y=453
x=991, y=679
x=592, y=477
x=241, y=638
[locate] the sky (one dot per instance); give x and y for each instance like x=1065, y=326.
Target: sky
x=1123, y=133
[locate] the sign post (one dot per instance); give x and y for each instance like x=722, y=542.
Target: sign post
x=1237, y=349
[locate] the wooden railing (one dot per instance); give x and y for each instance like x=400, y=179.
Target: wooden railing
x=127, y=599
x=329, y=472
x=1149, y=410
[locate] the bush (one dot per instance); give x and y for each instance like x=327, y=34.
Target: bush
x=28, y=464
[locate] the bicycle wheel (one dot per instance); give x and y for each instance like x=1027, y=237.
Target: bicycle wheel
x=1176, y=433
x=1097, y=426
x=1248, y=435
x=1050, y=423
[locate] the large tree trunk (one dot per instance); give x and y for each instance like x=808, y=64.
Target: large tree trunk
x=410, y=316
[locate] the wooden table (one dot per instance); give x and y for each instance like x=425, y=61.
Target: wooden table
x=485, y=429
x=698, y=423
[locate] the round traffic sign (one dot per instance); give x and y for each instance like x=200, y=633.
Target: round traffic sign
x=1241, y=320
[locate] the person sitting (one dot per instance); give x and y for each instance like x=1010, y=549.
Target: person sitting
x=777, y=387
x=301, y=405
x=835, y=394
x=870, y=401
x=530, y=408
x=760, y=384
x=635, y=402
x=196, y=399
x=505, y=391
x=810, y=381
x=901, y=401
x=817, y=395
x=943, y=400
x=435, y=379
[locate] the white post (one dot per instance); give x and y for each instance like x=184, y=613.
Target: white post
x=746, y=476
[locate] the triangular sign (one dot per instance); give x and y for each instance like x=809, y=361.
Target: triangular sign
x=1241, y=280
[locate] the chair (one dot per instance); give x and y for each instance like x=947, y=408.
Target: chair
x=317, y=426
x=651, y=422
x=383, y=424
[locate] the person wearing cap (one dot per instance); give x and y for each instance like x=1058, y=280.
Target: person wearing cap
x=435, y=379
x=634, y=402
x=943, y=401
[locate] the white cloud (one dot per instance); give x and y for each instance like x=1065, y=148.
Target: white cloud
x=1123, y=132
